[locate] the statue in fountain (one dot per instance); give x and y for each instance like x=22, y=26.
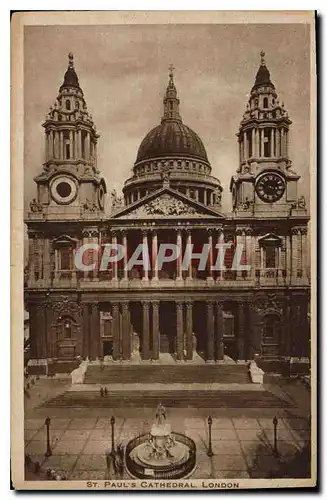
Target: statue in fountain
x=161, y=414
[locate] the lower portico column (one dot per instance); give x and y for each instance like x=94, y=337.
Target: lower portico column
x=126, y=331
x=115, y=332
x=95, y=331
x=219, y=331
x=146, y=331
x=155, y=330
x=189, y=330
x=179, y=332
x=210, y=332
x=240, y=336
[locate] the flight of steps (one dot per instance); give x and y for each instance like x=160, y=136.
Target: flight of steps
x=170, y=399
x=167, y=374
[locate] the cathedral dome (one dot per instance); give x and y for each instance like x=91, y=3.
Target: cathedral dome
x=171, y=138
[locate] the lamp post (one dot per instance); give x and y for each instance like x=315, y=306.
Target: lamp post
x=210, y=452
x=112, y=422
x=47, y=422
x=275, y=422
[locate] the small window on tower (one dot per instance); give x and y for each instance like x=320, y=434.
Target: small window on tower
x=67, y=151
x=77, y=104
x=265, y=102
x=256, y=102
x=68, y=104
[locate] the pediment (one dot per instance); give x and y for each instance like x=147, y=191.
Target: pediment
x=166, y=203
x=270, y=238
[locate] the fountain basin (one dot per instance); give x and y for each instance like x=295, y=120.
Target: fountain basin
x=160, y=454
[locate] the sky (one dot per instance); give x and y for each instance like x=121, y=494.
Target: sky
x=123, y=71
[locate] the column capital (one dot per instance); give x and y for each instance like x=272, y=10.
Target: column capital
x=115, y=306
x=145, y=231
x=155, y=304
x=189, y=303
x=145, y=304
x=125, y=306
x=210, y=303
x=179, y=304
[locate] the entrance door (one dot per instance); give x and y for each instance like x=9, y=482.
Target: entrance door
x=167, y=322
x=270, y=339
x=108, y=346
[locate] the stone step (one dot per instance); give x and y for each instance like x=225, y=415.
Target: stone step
x=173, y=399
x=178, y=373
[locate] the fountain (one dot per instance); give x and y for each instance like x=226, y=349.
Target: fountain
x=161, y=453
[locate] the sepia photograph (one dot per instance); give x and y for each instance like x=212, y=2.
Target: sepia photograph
x=163, y=235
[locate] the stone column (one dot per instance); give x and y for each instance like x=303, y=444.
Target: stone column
x=126, y=331
x=189, y=330
x=75, y=145
x=115, y=331
x=246, y=148
x=71, y=143
x=95, y=331
x=87, y=146
x=210, y=256
x=155, y=330
x=154, y=255
x=189, y=249
x=115, y=263
x=295, y=250
x=61, y=145
x=125, y=256
x=146, y=332
x=205, y=199
x=271, y=142
x=241, y=328
x=286, y=143
x=282, y=148
x=31, y=259
x=145, y=248
x=221, y=240
x=179, y=331
x=253, y=143
x=46, y=259
x=278, y=143
x=210, y=332
x=179, y=259
x=219, y=331
x=51, y=144
x=86, y=330
x=262, y=143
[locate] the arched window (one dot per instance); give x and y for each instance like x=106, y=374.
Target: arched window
x=77, y=104
x=68, y=104
x=265, y=102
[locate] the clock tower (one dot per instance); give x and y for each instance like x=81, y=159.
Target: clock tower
x=69, y=185
x=265, y=180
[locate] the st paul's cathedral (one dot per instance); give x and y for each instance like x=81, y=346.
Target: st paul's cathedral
x=142, y=314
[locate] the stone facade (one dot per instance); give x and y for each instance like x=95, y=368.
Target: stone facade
x=171, y=198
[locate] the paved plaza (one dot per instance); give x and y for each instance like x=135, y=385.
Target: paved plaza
x=242, y=439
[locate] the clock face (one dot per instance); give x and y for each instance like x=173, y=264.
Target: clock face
x=101, y=197
x=63, y=190
x=270, y=187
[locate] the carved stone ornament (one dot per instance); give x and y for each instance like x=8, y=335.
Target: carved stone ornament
x=35, y=206
x=89, y=206
x=268, y=302
x=300, y=203
x=64, y=306
x=166, y=205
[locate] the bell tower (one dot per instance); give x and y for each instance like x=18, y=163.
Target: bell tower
x=264, y=180
x=69, y=185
